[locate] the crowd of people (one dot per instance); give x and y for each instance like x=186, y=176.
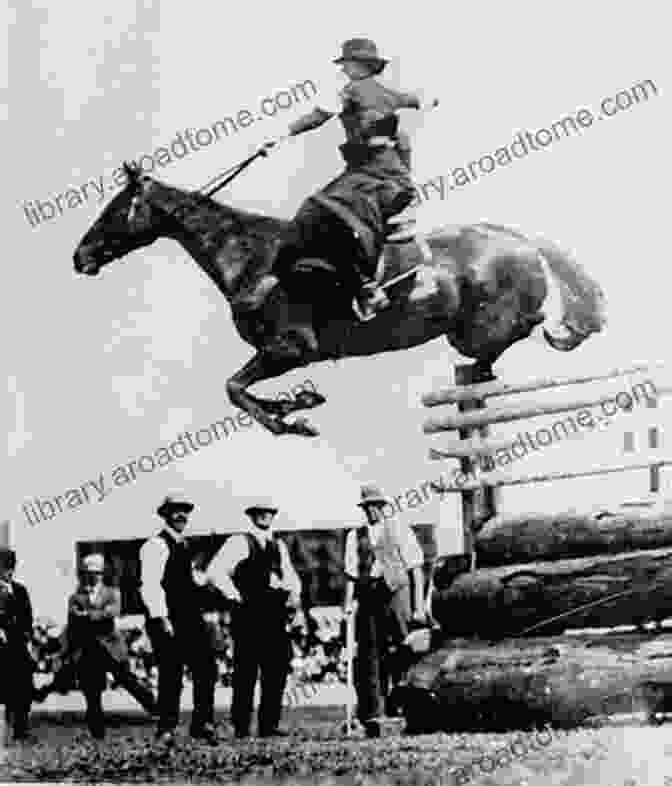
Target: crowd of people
x=253, y=578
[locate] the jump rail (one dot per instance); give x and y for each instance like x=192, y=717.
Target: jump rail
x=472, y=422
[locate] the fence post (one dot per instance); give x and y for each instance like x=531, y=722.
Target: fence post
x=478, y=505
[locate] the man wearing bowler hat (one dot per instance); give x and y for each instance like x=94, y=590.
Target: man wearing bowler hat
x=16, y=664
x=380, y=557
x=254, y=570
x=175, y=624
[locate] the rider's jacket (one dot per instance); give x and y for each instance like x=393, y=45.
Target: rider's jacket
x=368, y=112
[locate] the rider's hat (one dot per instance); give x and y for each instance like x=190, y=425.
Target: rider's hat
x=363, y=50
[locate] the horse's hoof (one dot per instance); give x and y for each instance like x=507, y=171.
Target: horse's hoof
x=309, y=399
x=302, y=428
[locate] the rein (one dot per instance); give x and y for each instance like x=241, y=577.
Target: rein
x=230, y=174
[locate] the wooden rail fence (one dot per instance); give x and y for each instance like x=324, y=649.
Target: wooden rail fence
x=472, y=420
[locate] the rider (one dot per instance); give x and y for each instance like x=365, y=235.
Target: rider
x=376, y=183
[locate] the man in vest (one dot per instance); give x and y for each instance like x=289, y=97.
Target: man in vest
x=380, y=558
x=254, y=570
x=175, y=624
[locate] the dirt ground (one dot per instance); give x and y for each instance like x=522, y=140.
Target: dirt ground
x=316, y=752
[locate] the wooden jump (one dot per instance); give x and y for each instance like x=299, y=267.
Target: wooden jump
x=498, y=479
x=486, y=417
x=457, y=393
x=473, y=419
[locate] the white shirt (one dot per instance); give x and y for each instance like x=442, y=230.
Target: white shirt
x=236, y=549
x=390, y=540
x=153, y=557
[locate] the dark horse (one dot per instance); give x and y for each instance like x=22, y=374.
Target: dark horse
x=483, y=289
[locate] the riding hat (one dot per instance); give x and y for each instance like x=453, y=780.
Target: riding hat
x=175, y=501
x=372, y=495
x=362, y=50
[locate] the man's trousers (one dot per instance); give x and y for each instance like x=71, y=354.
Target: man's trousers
x=190, y=646
x=17, y=690
x=261, y=648
x=381, y=623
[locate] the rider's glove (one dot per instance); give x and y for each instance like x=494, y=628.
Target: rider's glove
x=272, y=144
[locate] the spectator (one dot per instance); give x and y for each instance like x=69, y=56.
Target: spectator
x=92, y=635
x=378, y=558
x=92, y=646
x=16, y=664
x=255, y=571
x=176, y=625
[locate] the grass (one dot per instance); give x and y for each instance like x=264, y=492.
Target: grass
x=316, y=752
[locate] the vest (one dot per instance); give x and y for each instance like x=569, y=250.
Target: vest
x=365, y=555
x=252, y=575
x=178, y=582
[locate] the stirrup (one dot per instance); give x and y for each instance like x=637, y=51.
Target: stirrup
x=367, y=314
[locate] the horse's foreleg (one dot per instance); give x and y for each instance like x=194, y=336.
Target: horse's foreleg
x=268, y=413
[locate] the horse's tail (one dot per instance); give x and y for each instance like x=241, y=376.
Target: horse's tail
x=582, y=299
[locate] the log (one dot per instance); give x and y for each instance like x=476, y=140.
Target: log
x=492, y=603
x=526, y=538
x=519, y=684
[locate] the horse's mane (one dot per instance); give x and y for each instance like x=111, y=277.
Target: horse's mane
x=250, y=222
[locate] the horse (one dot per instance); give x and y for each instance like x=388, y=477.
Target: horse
x=482, y=290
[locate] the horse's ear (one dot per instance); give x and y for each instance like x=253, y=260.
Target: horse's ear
x=132, y=172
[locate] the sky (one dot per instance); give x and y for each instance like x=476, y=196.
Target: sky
x=105, y=370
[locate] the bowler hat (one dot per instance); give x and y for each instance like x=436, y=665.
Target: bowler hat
x=372, y=495
x=93, y=563
x=174, y=501
x=261, y=506
x=363, y=50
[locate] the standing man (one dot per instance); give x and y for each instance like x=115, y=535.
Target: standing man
x=92, y=636
x=378, y=559
x=16, y=629
x=175, y=625
x=254, y=571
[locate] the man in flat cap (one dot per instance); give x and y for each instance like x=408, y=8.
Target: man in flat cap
x=254, y=570
x=92, y=634
x=175, y=624
x=16, y=664
x=93, y=646
x=380, y=558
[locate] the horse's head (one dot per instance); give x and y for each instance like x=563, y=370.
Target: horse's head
x=129, y=222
